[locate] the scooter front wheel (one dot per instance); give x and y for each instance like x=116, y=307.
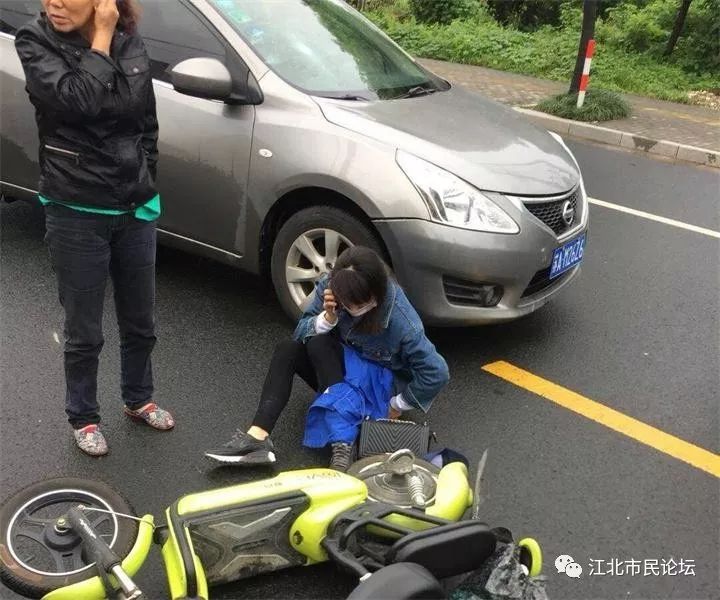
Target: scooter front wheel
x=39, y=552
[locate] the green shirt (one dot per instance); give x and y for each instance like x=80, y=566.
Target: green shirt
x=149, y=211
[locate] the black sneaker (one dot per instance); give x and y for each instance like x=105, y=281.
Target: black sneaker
x=243, y=449
x=342, y=456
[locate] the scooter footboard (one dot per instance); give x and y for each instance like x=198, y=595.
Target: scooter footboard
x=231, y=533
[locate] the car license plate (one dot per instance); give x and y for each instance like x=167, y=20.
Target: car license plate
x=567, y=256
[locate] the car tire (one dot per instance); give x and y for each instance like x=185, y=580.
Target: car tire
x=324, y=228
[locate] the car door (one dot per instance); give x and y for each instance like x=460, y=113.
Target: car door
x=19, y=170
x=204, y=144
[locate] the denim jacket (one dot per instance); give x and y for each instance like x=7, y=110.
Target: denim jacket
x=402, y=346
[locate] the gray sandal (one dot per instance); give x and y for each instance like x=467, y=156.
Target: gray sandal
x=91, y=440
x=153, y=415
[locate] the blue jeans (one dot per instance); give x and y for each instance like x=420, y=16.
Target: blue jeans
x=85, y=248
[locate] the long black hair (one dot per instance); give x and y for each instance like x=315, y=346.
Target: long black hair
x=358, y=277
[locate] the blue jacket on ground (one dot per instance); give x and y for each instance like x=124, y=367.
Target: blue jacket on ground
x=402, y=346
x=336, y=414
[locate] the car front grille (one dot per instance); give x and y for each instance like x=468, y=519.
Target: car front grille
x=541, y=281
x=551, y=213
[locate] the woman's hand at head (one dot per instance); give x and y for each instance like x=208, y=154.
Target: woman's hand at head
x=105, y=21
x=330, y=306
x=106, y=16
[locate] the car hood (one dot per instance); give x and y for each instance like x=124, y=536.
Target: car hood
x=485, y=143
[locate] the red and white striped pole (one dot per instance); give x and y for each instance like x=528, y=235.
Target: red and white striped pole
x=590, y=50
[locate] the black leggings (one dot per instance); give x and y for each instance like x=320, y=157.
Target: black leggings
x=320, y=362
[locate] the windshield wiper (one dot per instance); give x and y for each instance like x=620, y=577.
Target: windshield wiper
x=352, y=97
x=416, y=92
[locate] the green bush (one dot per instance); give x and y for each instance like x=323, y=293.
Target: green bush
x=444, y=11
x=646, y=29
x=599, y=105
x=550, y=52
x=398, y=10
x=638, y=29
x=526, y=15
x=698, y=49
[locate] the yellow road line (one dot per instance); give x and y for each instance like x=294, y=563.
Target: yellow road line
x=646, y=434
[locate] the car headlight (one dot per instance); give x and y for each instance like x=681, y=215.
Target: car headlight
x=452, y=201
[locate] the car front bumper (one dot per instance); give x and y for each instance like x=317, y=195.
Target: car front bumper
x=427, y=256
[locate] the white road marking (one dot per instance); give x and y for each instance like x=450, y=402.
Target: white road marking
x=659, y=219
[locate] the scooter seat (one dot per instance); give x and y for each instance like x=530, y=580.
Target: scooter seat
x=446, y=550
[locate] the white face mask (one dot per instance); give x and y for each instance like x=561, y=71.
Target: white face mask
x=363, y=310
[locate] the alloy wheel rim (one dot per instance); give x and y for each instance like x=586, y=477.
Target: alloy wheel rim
x=312, y=255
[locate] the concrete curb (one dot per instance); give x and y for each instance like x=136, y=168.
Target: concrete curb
x=614, y=137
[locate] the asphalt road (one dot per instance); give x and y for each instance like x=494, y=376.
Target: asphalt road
x=637, y=332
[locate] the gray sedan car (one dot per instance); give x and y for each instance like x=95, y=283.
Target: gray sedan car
x=291, y=129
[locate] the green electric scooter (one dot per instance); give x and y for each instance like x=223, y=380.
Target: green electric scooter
x=78, y=539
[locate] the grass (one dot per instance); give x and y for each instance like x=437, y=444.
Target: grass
x=548, y=53
x=599, y=105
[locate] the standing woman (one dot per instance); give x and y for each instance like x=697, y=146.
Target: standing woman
x=88, y=75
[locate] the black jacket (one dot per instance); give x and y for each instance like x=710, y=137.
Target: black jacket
x=95, y=115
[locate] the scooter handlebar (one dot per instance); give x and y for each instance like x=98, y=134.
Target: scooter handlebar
x=103, y=555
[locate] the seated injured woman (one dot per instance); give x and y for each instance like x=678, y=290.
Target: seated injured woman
x=362, y=347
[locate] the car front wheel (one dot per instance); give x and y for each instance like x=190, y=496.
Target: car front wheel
x=307, y=247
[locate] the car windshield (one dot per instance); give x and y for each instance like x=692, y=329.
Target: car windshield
x=327, y=49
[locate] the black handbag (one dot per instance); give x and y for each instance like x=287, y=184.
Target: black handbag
x=388, y=435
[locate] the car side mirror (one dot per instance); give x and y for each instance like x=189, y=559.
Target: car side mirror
x=203, y=78
x=209, y=78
